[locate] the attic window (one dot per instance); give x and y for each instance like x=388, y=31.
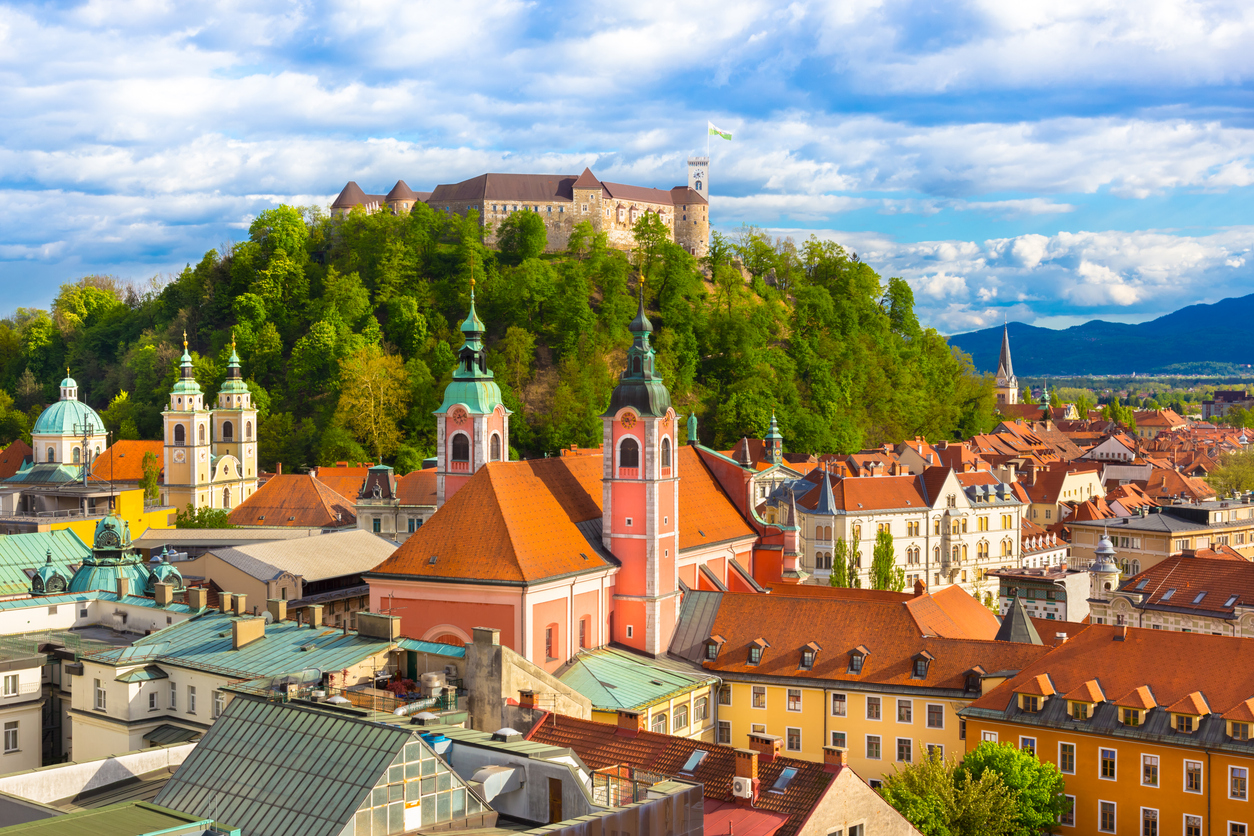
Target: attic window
x=856, y=659
x=784, y=779
x=262, y=517
x=431, y=560
x=1199, y=597
x=694, y=760
x=1167, y=595
x=1232, y=599
x=584, y=556
x=291, y=519
x=1142, y=584
x=808, y=653
x=920, y=668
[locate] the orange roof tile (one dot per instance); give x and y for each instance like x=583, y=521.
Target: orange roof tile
x=1242, y=712
x=1138, y=697
x=1193, y=703
x=1210, y=583
x=1088, y=691
x=954, y=614
x=417, y=487
x=294, y=499
x=706, y=513
x=13, y=456
x=123, y=461
x=343, y=478
x=1039, y=685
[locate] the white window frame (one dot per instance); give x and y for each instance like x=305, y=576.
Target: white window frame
x=927, y=716
x=1232, y=797
x=101, y=697
x=789, y=730
x=788, y=700
x=1157, y=817
x=1023, y=738
x=219, y=704
x=909, y=704
x=1061, y=823
x=871, y=719
x=988, y=737
x=1184, y=822
x=1184, y=778
x=844, y=739
x=191, y=699
x=880, y=741
x=753, y=698
x=1074, y=756
x=153, y=698
x=174, y=696
x=909, y=741
x=12, y=727
x=1113, y=804
x=12, y=684
x=718, y=731
x=1231, y=822
x=1099, y=764
x=844, y=701
x=1158, y=767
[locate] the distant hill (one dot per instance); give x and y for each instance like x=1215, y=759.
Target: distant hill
x=1197, y=334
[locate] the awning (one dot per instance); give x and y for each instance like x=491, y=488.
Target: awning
x=167, y=734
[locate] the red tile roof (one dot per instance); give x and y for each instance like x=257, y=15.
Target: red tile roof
x=123, y=460
x=1194, y=704
x=1088, y=691
x=1221, y=579
x=417, y=487
x=600, y=745
x=12, y=457
x=294, y=499
x=888, y=629
x=954, y=614
x=1169, y=664
x=343, y=478
x=867, y=493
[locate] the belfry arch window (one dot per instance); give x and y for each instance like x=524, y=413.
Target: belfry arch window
x=180, y=435
x=228, y=431
x=76, y=455
x=226, y=497
x=200, y=435
x=495, y=448
x=635, y=364
x=666, y=452
x=248, y=429
x=461, y=448
x=629, y=453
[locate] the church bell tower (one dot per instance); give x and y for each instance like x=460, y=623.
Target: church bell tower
x=640, y=498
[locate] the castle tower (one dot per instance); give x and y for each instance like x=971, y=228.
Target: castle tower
x=472, y=424
x=774, y=443
x=640, y=498
x=586, y=200
x=699, y=175
x=235, y=434
x=1007, y=385
x=187, y=441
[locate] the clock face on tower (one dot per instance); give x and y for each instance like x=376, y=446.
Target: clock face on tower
x=459, y=416
x=179, y=456
x=628, y=420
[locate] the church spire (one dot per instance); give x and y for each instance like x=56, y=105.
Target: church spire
x=640, y=386
x=1005, y=368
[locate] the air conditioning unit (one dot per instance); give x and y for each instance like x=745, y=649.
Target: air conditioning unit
x=432, y=684
x=450, y=671
x=742, y=787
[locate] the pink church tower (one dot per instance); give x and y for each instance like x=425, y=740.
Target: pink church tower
x=472, y=424
x=640, y=508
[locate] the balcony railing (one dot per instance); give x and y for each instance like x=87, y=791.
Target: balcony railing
x=459, y=467
x=629, y=473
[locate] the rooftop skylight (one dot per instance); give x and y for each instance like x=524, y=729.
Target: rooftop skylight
x=1167, y=595
x=1199, y=597
x=694, y=760
x=784, y=779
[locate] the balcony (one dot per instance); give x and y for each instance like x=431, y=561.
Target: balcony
x=629, y=473
x=459, y=467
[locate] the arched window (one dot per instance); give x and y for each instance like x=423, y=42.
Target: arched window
x=955, y=552
x=226, y=497
x=1136, y=567
x=666, y=452
x=201, y=434
x=461, y=448
x=76, y=455
x=964, y=551
x=248, y=429
x=827, y=532
x=495, y=449
x=52, y=454
x=629, y=453
x=635, y=364
x=228, y=431
x=180, y=435
x=818, y=532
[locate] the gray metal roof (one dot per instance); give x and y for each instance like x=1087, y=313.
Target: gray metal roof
x=283, y=769
x=692, y=628
x=1016, y=626
x=314, y=558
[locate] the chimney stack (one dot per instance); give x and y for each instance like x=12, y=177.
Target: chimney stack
x=124, y=587
x=834, y=758
x=315, y=615
x=630, y=723
x=278, y=468
x=919, y=587
x=527, y=699
x=747, y=764
x=197, y=597
x=224, y=602
x=239, y=604
x=165, y=594
x=766, y=745
x=277, y=609
x=246, y=630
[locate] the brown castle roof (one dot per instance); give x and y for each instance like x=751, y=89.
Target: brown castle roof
x=644, y=194
x=402, y=191
x=587, y=181
x=539, y=188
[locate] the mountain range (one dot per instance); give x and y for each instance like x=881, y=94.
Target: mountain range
x=1183, y=339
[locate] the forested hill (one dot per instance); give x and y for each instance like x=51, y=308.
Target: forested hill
x=338, y=319
x=1194, y=335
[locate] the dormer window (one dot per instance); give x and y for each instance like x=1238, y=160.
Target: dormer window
x=1184, y=723
x=1239, y=731
x=921, y=662
x=1030, y=703
x=1079, y=710
x=808, y=655
x=857, y=658
x=712, y=646
x=1130, y=716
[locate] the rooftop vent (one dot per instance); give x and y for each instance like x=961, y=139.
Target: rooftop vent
x=308, y=647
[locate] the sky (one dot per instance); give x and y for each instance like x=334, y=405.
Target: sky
x=1046, y=161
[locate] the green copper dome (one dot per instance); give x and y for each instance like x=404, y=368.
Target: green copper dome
x=111, y=558
x=473, y=383
x=640, y=387
x=163, y=572
x=234, y=384
x=48, y=580
x=68, y=416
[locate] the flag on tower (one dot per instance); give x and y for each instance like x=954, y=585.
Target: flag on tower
x=717, y=132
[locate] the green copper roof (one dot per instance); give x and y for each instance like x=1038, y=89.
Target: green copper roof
x=67, y=417
x=473, y=382
x=186, y=384
x=774, y=431
x=640, y=387
x=69, y=383
x=615, y=679
x=20, y=553
x=135, y=818
x=234, y=380
x=148, y=673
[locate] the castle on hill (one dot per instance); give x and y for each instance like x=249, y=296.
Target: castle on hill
x=562, y=201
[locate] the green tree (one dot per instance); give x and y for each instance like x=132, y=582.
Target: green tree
x=885, y=573
x=120, y=416
x=840, y=569
x=522, y=236
x=374, y=397
x=1037, y=787
x=754, y=249
x=1234, y=474
x=150, y=481
x=651, y=234
x=205, y=517
x=939, y=802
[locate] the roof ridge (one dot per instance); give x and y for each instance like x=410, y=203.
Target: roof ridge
x=490, y=469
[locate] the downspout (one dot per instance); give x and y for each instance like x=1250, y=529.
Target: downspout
x=1209, y=783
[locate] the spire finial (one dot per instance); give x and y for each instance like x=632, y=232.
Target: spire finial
x=232, y=340
x=185, y=339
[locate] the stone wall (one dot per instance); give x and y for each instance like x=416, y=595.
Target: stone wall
x=494, y=674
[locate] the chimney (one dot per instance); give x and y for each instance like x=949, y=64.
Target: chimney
x=747, y=764
x=124, y=587
x=278, y=468
x=1061, y=637
x=165, y=594
x=1063, y=567
x=277, y=609
x=527, y=699
x=378, y=626
x=197, y=597
x=919, y=587
x=239, y=604
x=224, y=601
x=834, y=758
x=766, y=745
x=315, y=615
x=486, y=635
x=247, y=630
x=630, y=723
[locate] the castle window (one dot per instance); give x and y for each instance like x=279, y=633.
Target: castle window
x=495, y=448
x=180, y=435
x=461, y=448
x=629, y=453
x=228, y=431
x=666, y=452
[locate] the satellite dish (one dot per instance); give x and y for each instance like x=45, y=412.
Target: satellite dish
x=269, y=617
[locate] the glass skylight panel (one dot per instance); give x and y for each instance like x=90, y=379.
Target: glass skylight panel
x=1144, y=582
x=1199, y=597
x=1167, y=595
x=784, y=779
x=694, y=760
x=1232, y=599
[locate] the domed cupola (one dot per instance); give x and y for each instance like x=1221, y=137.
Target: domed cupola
x=1104, y=571
x=49, y=579
x=164, y=572
x=111, y=559
x=60, y=430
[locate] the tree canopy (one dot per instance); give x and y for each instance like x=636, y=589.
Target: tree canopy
x=347, y=328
